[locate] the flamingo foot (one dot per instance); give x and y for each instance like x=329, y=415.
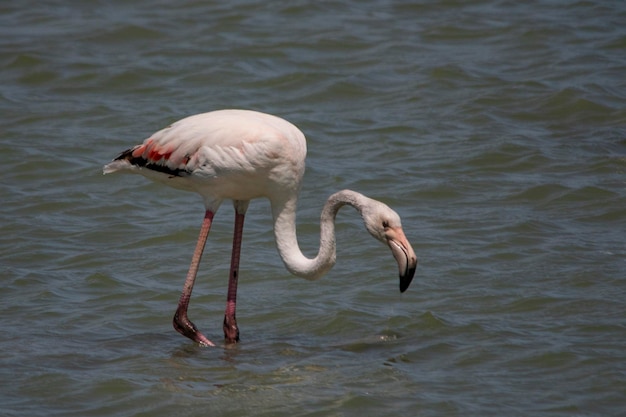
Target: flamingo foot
x=184, y=326
x=231, y=331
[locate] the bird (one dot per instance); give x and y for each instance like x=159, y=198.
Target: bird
x=241, y=155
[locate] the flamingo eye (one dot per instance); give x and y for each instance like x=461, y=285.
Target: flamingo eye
x=385, y=224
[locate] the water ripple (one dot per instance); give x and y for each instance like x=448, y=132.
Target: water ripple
x=495, y=128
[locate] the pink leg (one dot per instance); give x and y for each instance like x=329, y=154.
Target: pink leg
x=182, y=324
x=231, y=331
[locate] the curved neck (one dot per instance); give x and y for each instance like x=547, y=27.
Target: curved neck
x=287, y=241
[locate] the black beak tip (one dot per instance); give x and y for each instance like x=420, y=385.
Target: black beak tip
x=405, y=280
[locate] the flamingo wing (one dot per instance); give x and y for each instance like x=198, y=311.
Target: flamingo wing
x=248, y=148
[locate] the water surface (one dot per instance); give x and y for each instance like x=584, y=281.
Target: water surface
x=497, y=129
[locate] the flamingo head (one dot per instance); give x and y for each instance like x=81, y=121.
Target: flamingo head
x=384, y=224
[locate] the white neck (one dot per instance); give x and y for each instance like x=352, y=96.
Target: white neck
x=287, y=241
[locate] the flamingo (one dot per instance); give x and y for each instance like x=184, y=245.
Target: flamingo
x=241, y=155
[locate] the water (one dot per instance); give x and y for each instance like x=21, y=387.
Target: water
x=497, y=129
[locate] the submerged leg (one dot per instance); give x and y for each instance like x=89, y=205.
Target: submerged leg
x=182, y=324
x=231, y=331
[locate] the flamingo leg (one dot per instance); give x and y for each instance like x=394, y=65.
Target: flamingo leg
x=231, y=331
x=181, y=322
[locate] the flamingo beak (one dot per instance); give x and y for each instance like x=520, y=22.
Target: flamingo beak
x=403, y=252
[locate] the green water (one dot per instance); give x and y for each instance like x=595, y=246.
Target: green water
x=497, y=130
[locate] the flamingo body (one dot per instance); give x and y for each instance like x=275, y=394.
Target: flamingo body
x=242, y=155
x=225, y=154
